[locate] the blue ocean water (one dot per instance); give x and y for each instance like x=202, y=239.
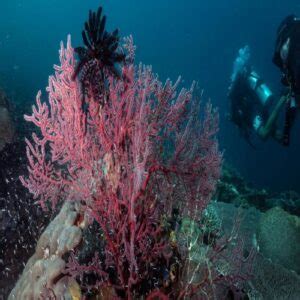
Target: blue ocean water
x=196, y=39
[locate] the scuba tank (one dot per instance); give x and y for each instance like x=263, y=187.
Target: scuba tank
x=262, y=97
x=261, y=91
x=250, y=97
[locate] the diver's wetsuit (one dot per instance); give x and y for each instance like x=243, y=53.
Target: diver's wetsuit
x=287, y=58
x=289, y=29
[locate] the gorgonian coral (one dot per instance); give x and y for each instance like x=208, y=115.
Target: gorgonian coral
x=112, y=161
x=136, y=167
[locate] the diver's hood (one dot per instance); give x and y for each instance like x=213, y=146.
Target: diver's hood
x=283, y=40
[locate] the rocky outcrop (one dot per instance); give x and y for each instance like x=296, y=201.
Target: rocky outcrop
x=275, y=236
x=233, y=188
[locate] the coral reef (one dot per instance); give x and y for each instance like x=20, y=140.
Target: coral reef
x=278, y=237
x=131, y=170
x=113, y=160
x=270, y=279
x=233, y=188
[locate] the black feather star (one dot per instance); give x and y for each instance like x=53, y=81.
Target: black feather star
x=99, y=57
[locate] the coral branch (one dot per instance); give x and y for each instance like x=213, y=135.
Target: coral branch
x=123, y=161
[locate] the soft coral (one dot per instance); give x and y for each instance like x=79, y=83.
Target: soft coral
x=111, y=159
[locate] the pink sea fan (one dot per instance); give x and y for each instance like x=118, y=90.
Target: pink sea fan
x=124, y=161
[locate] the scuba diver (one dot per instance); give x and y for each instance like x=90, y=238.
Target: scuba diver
x=253, y=107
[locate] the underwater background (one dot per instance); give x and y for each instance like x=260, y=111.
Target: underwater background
x=198, y=40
